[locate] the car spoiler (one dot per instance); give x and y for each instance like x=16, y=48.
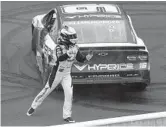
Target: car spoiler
x=115, y=48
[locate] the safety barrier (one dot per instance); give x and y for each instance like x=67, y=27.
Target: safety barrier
x=150, y=119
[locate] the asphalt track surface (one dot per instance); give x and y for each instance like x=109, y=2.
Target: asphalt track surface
x=20, y=81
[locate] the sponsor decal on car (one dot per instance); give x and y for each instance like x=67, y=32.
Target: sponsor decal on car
x=100, y=67
x=103, y=76
x=80, y=68
x=89, y=16
x=95, y=21
x=103, y=54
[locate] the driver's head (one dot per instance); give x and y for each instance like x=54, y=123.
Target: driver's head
x=69, y=35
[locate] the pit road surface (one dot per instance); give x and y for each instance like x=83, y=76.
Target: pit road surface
x=20, y=81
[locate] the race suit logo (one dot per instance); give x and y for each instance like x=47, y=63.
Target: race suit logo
x=111, y=67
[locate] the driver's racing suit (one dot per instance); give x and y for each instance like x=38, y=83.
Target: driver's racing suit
x=63, y=59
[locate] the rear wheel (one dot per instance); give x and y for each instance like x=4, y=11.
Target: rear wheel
x=32, y=27
x=34, y=48
x=139, y=86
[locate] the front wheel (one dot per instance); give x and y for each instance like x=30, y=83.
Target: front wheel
x=33, y=44
x=34, y=47
x=32, y=28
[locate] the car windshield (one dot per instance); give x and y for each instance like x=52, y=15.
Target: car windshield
x=102, y=31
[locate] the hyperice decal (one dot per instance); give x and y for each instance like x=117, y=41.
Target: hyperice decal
x=100, y=67
x=80, y=68
x=88, y=16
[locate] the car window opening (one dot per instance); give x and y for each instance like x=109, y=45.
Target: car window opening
x=102, y=31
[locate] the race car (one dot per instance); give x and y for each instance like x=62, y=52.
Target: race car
x=120, y=56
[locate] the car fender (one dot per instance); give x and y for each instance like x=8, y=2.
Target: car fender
x=36, y=37
x=139, y=40
x=48, y=48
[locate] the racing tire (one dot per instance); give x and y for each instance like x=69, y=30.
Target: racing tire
x=34, y=48
x=32, y=28
x=140, y=86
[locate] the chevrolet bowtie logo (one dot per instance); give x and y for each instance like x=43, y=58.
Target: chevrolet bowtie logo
x=80, y=68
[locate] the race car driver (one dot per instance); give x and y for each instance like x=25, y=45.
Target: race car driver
x=66, y=53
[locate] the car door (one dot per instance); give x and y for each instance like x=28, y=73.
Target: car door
x=54, y=29
x=49, y=22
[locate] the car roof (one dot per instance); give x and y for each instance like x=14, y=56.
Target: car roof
x=89, y=11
